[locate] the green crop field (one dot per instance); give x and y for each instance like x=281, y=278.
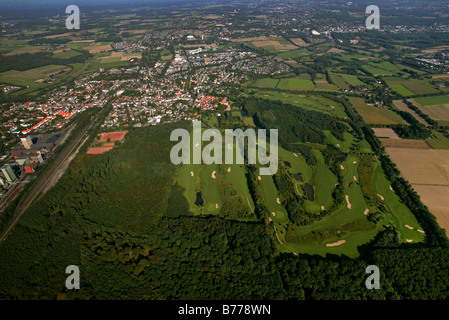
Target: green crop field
x=420, y=88
x=400, y=89
x=375, y=115
x=266, y=83
x=438, y=141
x=431, y=101
x=352, y=80
x=338, y=80
x=295, y=84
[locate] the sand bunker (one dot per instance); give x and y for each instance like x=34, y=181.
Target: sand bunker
x=409, y=241
x=274, y=214
x=229, y=169
x=259, y=178
x=355, y=162
x=342, y=168
x=336, y=244
x=381, y=198
x=421, y=231
x=366, y=212
x=349, y=203
x=216, y=206
x=355, y=178
x=391, y=188
x=269, y=219
x=295, y=155
x=407, y=226
x=213, y=175
x=191, y=173
x=322, y=208
x=278, y=201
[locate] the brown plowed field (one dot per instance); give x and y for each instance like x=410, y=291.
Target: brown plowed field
x=404, y=144
x=403, y=107
x=428, y=172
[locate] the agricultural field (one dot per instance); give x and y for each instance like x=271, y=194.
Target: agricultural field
x=438, y=141
x=344, y=81
x=403, y=107
x=387, y=133
x=409, y=88
x=436, y=108
x=432, y=101
x=381, y=68
x=428, y=172
x=375, y=115
x=266, y=83
x=295, y=84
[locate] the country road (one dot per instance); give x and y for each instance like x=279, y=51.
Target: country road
x=45, y=181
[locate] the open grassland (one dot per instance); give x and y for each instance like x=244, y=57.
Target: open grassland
x=375, y=115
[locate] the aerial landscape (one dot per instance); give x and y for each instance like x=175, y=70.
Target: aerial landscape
x=120, y=121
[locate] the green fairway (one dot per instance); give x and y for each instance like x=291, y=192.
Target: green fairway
x=343, y=145
x=223, y=189
x=325, y=184
x=399, y=215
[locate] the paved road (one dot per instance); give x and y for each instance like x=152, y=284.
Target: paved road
x=47, y=178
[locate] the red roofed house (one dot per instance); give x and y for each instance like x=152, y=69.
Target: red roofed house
x=31, y=168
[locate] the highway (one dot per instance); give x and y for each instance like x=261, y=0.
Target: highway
x=47, y=178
